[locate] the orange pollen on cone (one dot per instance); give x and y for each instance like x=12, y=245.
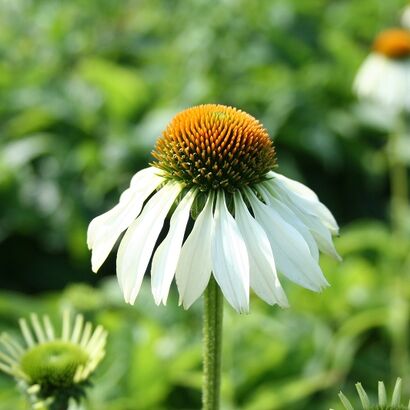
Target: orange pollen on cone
x=215, y=147
x=394, y=43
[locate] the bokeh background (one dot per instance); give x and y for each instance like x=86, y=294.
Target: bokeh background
x=86, y=86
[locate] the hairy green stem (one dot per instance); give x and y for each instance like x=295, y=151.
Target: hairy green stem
x=212, y=346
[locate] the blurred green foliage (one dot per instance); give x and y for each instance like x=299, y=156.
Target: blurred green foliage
x=86, y=87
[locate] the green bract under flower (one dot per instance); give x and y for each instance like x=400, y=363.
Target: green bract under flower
x=52, y=366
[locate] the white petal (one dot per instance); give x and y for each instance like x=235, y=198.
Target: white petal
x=263, y=277
x=230, y=264
x=319, y=230
x=105, y=229
x=141, y=181
x=166, y=256
x=194, y=264
x=304, y=196
x=291, y=253
x=296, y=187
x=291, y=218
x=325, y=243
x=138, y=243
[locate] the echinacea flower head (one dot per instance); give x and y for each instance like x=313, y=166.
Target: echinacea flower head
x=53, y=365
x=215, y=165
x=383, y=402
x=384, y=77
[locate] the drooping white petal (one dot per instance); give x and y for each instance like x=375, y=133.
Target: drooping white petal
x=319, y=230
x=194, y=265
x=230, y=263
x=291, y=218
x=141, y=181
x=296, y=186
x=138, y=243
x=263, y=277
x=167, y=254
x=305, y=197
x=291, y=253
x=105, y=229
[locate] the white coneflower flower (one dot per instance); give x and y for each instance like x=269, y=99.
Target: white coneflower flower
x=50, y=365
x=395, y=403
x=215, y=163
x=384, y=77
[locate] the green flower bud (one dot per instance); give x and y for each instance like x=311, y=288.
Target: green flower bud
x=382, y=404
x=49, y=368
x=53, y=363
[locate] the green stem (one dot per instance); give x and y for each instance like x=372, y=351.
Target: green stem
x=398, y=185
x=212, y=346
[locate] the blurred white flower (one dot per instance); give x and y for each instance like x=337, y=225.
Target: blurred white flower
x=215, y=163
x=384, y=77
x=405, y=18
